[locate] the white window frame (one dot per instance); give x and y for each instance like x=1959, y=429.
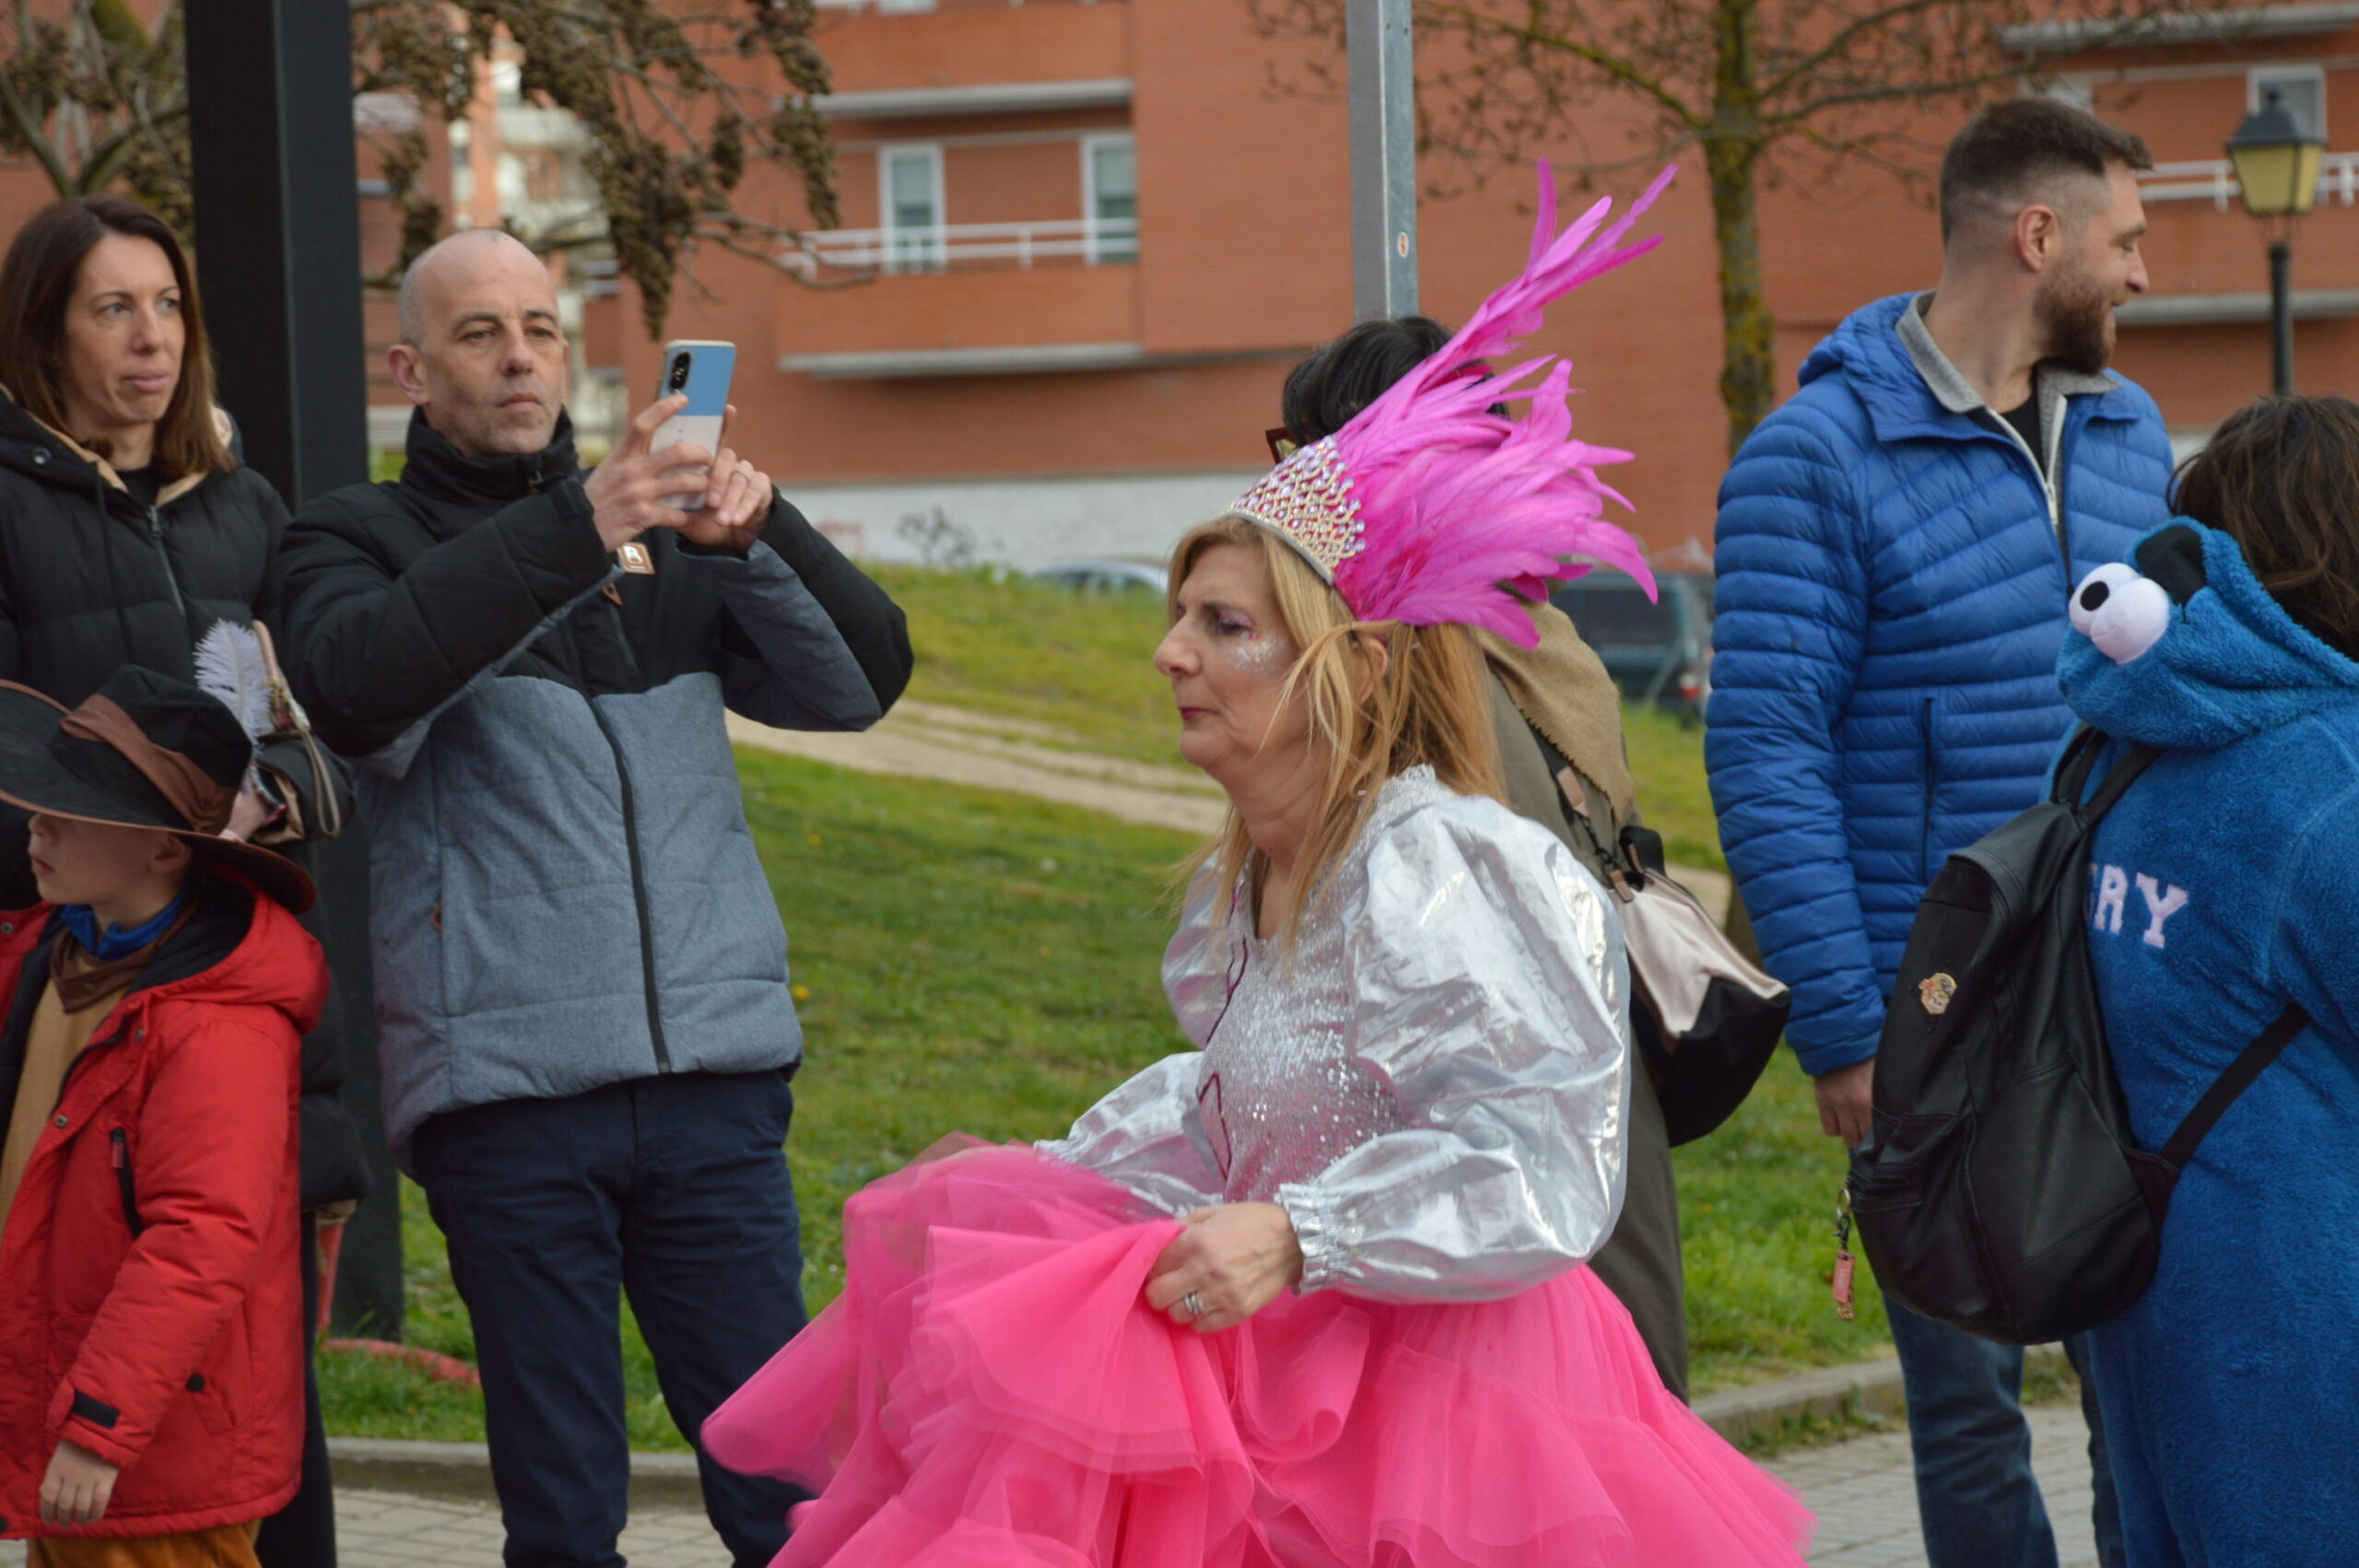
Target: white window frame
x=1089, y=146
x=2261, y=77
x=928, y=255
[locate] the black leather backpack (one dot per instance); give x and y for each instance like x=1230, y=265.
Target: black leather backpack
x=2000, y=1190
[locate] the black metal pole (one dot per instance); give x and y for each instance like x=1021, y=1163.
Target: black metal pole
x=2281, y=316
x=277, y=183
x=275, y=178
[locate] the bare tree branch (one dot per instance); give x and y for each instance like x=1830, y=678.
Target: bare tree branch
x=105, y=160
x=675, y=106
x=1845, y=37
x=1757, y=85
x=1533, y=36
x=1785, y=123
x=30, y=137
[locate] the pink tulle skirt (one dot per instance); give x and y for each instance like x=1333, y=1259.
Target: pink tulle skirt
x=991, y=1390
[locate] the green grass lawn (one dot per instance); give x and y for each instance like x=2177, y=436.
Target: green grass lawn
x=988, y=963
x=1756, y=1216
x=1084, y=665
x=1667, y=759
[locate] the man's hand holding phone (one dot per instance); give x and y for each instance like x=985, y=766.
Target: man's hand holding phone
x=676, y=469
x=736, y=500
x=631, y=492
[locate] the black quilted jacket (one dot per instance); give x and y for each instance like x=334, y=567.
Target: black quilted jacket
x=91, y=579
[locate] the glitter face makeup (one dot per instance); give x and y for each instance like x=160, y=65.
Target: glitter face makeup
x=1266, y=654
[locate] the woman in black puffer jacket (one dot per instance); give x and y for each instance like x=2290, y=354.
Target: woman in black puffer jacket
x=127, y=530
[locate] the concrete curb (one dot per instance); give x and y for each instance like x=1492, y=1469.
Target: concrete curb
x=1865, y=1388
x=462, y=1471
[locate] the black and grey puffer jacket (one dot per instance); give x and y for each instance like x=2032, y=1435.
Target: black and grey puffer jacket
x=91, y=579
x=565, y=890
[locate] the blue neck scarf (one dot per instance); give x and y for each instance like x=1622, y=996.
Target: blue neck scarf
x=118, y=942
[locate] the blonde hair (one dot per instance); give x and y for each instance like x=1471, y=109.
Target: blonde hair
x=1430, y=707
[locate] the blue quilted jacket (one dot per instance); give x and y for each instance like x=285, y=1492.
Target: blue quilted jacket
x=1892, y=596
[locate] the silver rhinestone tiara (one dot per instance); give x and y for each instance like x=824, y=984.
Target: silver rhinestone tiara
x=1307, y=501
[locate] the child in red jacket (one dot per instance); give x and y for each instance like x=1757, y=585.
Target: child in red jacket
x=151, y=1400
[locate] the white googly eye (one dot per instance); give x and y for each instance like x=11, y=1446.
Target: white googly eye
x=2133, y=619
x=2096, y=589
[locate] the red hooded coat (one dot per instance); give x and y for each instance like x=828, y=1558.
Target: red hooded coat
x=152, y=1310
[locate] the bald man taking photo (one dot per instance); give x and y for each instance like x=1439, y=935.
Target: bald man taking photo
x=580, y=969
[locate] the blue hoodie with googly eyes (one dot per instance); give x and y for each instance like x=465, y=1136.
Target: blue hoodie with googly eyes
x=2222, y=887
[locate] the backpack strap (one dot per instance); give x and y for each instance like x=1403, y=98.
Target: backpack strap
x=2073, y=768
x=1605, y=861
x=2249, y=1064
x=2080, y=760
x=2135, y=760
x=1642, y=851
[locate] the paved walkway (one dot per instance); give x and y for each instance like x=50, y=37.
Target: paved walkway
x=1866, y=1498
x=925, y=740
x=1866, y=1503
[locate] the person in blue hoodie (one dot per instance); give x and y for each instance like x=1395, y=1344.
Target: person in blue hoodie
x=2224, y=890
x=1898, y=545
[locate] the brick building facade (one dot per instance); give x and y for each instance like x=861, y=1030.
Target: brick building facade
x=1083, y=240
x=1050, y=361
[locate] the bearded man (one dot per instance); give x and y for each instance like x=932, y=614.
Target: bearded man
x=1896, y=548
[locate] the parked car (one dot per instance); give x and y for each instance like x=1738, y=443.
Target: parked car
x=1111, y=575
x=1658, y=651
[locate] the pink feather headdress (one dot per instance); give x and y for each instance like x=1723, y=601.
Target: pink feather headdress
x=1428, y=510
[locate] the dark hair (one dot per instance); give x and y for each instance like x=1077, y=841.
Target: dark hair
x=1325, y=391
x=37, y=283
x=2280, y=477
x=2012, y=146
x=1338, y=381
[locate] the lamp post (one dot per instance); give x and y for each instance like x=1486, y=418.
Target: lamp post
x=1384, y=158
x=2277, y=173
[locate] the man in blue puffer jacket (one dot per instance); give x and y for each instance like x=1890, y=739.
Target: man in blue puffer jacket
x=1896, y=549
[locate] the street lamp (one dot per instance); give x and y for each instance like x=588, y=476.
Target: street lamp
x=2277, y=171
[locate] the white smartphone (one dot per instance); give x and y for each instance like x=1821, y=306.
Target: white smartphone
x=703, y=372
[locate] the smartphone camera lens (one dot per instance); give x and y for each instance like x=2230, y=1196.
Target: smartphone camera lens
x=678, y=380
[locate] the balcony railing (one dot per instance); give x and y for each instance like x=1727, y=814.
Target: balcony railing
x=2214, y=180
x=965, y=247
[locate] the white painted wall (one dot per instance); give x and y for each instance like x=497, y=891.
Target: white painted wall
x=1018, y=523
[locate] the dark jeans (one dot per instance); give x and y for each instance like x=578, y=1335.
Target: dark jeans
x=1976, y=1499
x=673, y=1188
x=302, y=1534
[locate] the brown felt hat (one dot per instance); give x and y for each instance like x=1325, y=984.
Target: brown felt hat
x=143, y=750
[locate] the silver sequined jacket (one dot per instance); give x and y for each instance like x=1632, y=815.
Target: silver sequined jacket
x=1434, y=1083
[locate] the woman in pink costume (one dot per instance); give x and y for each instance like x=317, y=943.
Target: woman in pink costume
x=1312, y=1295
